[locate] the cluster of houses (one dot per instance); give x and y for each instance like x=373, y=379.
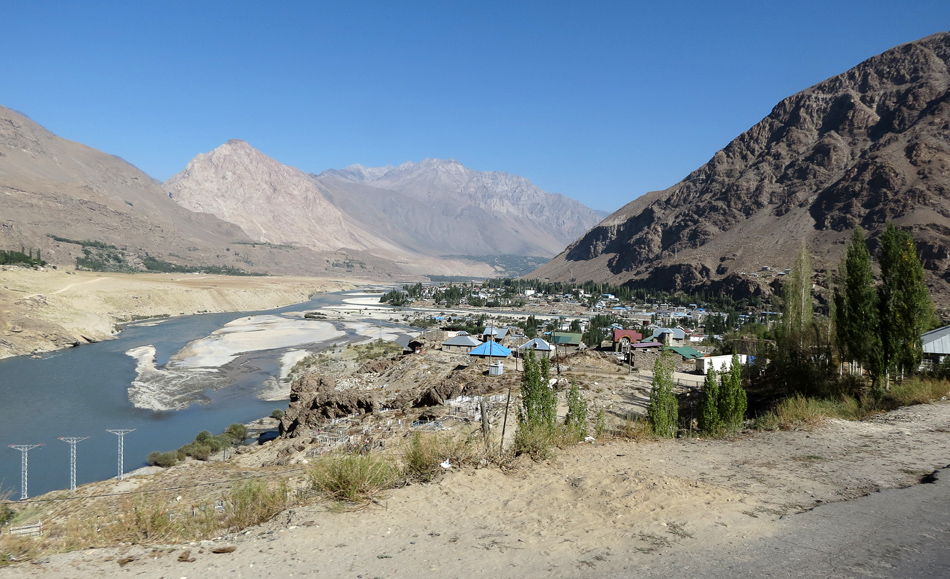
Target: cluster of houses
x=503, y=342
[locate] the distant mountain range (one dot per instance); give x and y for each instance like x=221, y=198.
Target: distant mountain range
x=414, y=214
x=237, y=208
x=867, y=147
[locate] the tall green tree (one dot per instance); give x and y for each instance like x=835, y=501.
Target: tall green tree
x=796, y=296
x=733, y=401
x=538, y=400
x=855, y=303
x=664, y=408
x=709, y=419
x=904, y=304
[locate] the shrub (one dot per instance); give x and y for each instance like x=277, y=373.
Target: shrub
x=352, y=477
x=163, y=459
x=600, y=427
x=277, y=414
x=664, y=408
x=237, y=433
x=6, y=513
x=534, y=440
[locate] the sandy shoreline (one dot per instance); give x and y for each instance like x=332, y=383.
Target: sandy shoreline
x=45, y=310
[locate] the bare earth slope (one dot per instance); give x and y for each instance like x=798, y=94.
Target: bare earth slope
x=866, y=147
x=615, y=509
x=47, y=310
x=52, y=186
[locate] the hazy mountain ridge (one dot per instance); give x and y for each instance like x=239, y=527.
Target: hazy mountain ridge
x=458, y=210
x=411, y=215
x=865, y=147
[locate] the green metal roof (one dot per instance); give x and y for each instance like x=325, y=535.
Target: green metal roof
x=686, y=351
x=568, y=339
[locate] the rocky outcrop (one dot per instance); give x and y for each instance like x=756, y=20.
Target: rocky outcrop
x=866, y=147
x=317, y=399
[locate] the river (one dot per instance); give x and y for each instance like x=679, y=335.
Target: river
x=84, y=391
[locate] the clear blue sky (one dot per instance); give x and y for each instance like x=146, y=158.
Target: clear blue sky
x=600, y=101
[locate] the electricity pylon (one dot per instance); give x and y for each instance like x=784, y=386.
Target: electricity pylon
x=24, y=449
x=72, y=440
x=121, y=432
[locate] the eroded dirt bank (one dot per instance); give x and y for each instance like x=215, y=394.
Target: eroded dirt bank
x=43, y=310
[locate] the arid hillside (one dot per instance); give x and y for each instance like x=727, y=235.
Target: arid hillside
x=865, y=148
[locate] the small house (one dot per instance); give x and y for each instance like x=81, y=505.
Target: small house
x=540, y=347
x=460, y=344
x=568, y=342
x=490, y=350
x=936, y=345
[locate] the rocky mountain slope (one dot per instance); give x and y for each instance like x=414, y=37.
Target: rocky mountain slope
x=271, y=202
x=443, y=208
x=50, y=186
x=866, y=147
x=424, y=217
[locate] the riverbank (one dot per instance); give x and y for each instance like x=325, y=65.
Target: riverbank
x=45, y=310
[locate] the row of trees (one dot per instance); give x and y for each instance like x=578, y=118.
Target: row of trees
x=722, y=407
x=879, y=327
x=874, y=326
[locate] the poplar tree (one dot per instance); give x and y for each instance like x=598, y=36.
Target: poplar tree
x=664, y=408
x=709, y=419
x=796, y=296
x=733, y=401
x=856, y=303
x=904, y=304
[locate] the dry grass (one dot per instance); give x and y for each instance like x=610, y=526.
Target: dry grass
x=146, y=517
x=635, y=428
x=425, y=453
x=353, y=478
x=253, y=502
x=801, y=412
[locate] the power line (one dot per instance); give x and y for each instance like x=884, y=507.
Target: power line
x=121, y=432
x=24, y=463
x=72, y=440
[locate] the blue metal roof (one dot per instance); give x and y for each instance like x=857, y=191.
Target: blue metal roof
x=491, y=349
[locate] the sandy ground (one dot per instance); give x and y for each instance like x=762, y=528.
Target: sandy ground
x=42, y=310
x=611, y=508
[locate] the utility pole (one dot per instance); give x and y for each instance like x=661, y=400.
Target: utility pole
x=24, y=449
x=121, y=432
x=72, y=440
